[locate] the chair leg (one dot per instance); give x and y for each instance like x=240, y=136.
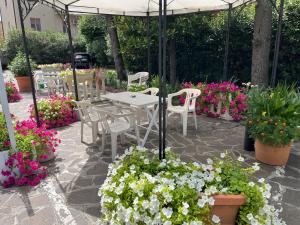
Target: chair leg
x=81, y=132
x=103, y=139
x=113, y=146
x=195, y=119
x=137, y=134
x=184, y=123
x=94, y=131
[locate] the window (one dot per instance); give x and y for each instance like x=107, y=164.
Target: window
x=35, y=24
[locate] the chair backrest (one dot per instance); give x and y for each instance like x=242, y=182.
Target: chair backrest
x=103, y=116
x=84, y=110
x=140, y=77
x=191, y=97
x=153, y=91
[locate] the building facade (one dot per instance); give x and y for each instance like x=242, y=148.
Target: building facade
x=41, y=18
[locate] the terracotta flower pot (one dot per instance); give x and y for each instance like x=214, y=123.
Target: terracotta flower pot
x=226, y=207
x=24, y=83
x=275, y=156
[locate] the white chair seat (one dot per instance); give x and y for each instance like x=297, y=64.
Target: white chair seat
x=119, y=126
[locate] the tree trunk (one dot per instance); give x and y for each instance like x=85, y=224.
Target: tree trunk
x=261, y=43
x=172, y=50
x=115, y=48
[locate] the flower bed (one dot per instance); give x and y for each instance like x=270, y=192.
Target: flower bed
x=34, y=144
x=55, y=111
x=224, y=99
x=13, y=94
x=141, y=189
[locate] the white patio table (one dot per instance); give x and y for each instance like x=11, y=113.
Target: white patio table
x=140, y=101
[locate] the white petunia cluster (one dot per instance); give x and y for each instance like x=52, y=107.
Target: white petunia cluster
x=130, y=195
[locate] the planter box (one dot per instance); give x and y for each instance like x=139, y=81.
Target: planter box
x=226, y=207
x=3, y=158
x=24, y=83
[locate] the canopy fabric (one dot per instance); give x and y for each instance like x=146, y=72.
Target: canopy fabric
x=144, y=7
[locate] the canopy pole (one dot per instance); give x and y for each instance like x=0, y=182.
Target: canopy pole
x=277, y=44
x=225, y=67
x=5, y=109
x=28, y=64
x=164, y=74
x=148, y=44
x=72, y=51
x=160, y=80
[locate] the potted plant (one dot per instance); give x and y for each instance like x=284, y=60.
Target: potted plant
x=13, y=94
x=273, y=118
x=18, y=66
x=4, y=145
x=55, y=111
x=141, y=189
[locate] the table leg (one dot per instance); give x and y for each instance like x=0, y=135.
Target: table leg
x=152, y=122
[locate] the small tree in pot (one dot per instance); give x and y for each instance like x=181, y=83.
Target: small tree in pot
x=274, y=120
x=18, y=66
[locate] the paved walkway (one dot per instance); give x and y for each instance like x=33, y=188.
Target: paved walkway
x=69, y=194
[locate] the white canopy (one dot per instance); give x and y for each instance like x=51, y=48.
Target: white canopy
x=144, y=7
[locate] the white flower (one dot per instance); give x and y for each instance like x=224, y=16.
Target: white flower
x=241, y=159
x=209, y=161
x=261, y=180
x=167, y=223
x=222, y=155
x=146, y=161
x=167, y=212
x=256, y=166
x=211, y=201
x=215, y=219
x=251, y=184
x=218, y=178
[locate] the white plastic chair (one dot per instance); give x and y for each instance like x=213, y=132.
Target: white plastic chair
x=139, y=78
x=189, y=106
x=117, y=126
x=89, y=118
x=152, y=91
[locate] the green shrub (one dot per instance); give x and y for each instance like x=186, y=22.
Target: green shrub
x=45, y=47
x=18, y=65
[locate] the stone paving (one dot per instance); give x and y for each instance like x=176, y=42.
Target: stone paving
x=69, y=194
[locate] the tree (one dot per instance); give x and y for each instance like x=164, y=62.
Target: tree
x=115, y=48
x=261, y=43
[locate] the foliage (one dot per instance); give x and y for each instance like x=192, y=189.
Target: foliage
x=274, y=114
x=141, y=189
x=111, y=80
x=81, y=72
x=93, y=29
x=55, y=111
x=217, y=99
x=18, y=66
x=170, y=89
x=137, y=88
x=13, y=94
x=45, y=47
x=4, y=138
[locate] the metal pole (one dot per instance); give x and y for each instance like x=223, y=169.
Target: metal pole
x=149, y=43
x=225, y=67
x=72, y=51
x=164, y=74
x=160, y=78
x=277, y=44
x=28, y=64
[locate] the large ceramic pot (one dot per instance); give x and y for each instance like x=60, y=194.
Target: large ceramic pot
x=3, y=158
x=268, y=154
x=226, y=207
x=24, y=83
x=50, y=155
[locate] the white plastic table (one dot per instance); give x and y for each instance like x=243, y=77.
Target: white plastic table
x=140, y=101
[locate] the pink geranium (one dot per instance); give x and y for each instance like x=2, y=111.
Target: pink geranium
x=13, y=94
